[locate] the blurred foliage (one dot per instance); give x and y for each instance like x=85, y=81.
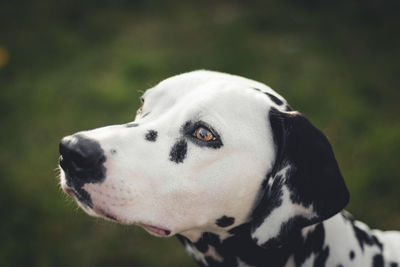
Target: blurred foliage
x=69, y=65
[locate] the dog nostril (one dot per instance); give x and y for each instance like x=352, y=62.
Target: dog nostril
x=80, y=155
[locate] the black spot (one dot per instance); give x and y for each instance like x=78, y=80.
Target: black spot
x=178, y=151
x=225, y=221
x=131, y=124
x=376, y=242
x=364, y=238
x=113, y=151
x=206, y=240
x=340, y=265
x=321, y=258
x=377, y=261
x=274, y=99
x=394, y=264
x=312, y=243
x=151, y=136
x=352, y=255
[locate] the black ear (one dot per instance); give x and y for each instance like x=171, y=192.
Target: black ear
x=304, y=186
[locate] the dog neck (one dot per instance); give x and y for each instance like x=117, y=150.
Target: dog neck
x=234, y=248
x=309, y=247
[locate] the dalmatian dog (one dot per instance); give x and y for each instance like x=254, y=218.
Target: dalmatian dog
x=224, y=164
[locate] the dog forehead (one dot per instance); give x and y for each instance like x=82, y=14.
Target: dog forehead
x=199, y=77
x=201, y=85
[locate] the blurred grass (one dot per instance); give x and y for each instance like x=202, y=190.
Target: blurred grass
x=72, y=65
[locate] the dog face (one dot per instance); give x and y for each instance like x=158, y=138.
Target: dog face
x=207, y=152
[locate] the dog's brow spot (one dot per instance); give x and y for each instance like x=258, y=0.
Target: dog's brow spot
x=178, y=151
x=151, y=136
x=113, y=151
x=225, y=221
x=132, y=124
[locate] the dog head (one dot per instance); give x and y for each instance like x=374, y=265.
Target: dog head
x=207, y=152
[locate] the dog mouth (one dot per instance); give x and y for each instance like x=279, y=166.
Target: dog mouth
x=155, y=230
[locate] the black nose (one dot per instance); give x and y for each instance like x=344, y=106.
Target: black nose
x=82, y=159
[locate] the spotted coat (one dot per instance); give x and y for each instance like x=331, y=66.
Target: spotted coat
x=226, y=165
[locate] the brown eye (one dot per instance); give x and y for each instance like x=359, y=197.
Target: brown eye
x=203, y=134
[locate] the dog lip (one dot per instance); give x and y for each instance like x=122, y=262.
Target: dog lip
x=69, y=191
x=155, y=230
x=158, y=231
x=105, y=214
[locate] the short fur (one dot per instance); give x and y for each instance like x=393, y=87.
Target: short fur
x=266, y=190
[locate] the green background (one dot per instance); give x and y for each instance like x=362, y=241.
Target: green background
x=71, y=65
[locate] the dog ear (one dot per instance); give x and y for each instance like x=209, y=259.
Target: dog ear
x=305, y=185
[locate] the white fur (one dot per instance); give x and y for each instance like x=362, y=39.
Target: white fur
x=143, y=186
